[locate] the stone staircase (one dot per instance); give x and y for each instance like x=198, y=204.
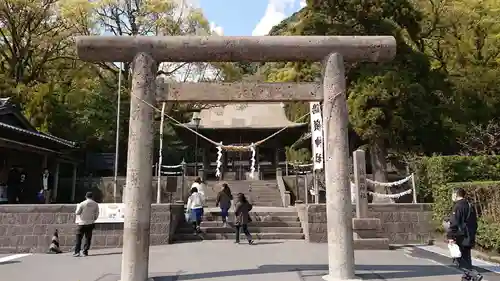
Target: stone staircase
x=267, y=223
x=365, y=234
x=258, y=192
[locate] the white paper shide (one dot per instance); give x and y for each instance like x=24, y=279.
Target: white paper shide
x=317, y=135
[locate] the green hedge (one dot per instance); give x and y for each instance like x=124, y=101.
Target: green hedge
x=434, y=171
x=486, y=196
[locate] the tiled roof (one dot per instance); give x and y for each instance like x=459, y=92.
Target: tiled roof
x=29, y=130
x=248, y=115
x=39, y=134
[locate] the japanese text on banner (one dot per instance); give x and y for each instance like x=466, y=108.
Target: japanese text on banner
x=317, y=135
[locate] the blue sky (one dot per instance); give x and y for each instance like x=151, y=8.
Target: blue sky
x=247, y=17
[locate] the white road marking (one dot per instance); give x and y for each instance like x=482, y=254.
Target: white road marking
x=493, y=267
x=13, y=257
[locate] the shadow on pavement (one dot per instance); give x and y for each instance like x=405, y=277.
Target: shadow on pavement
x=266, y=242
x=385, y=271
x=105, y=254
x=423, y=254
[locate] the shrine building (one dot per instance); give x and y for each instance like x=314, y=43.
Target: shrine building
x=242, y=124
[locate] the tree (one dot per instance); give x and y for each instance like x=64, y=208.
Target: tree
x=393, y=106
x=462, y=39
x=458, y=34
x=132, y=18
x=482, y=139
x=33, y=37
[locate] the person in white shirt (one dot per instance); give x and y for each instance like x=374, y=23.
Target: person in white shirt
x=195, y=204
x=198, y=183
x=46, y=185
x=87, y=213
x=200, y=186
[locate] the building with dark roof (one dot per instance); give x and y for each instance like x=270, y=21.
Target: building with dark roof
x=23, y=146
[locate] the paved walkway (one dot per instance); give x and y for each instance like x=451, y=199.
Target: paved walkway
x=223, y=260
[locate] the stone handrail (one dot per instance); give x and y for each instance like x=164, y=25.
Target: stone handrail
x=285, y=195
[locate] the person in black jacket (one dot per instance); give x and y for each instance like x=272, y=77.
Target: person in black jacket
x=462, y=231
x=223, y=201
x=13, y=182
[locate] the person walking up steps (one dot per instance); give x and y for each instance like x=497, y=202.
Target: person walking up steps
x=200, y=186
x=242, y=210
x=224, y=198
x=87, y=213
x=195, y=204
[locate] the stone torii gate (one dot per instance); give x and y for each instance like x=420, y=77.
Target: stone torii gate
x=147, y=52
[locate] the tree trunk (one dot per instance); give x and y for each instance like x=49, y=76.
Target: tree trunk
x=379, y=169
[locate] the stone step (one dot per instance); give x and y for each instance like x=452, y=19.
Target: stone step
x=218, y=223
x=253, y=192
x=226, y=236
x=237, y=186
x=256, y=214
x=247, y=194
x=187, y=228
x=255, y=202
x=371, y=244
x=209, y=197
x=245, y=191
x=256, y=218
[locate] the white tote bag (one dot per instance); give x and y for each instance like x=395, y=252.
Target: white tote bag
x=454, y=250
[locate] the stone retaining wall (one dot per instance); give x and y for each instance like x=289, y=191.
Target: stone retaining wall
x=29, y=228
x=401, y=223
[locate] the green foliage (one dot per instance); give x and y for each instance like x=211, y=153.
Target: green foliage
x=75, y=100
x=486, y=198
x=433, y=172
x=489, y=235
x=301, y=155
x=442, y=82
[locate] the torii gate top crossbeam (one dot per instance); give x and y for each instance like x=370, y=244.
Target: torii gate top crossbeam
x=230, y=48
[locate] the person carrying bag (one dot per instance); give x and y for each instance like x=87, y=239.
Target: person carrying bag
x=194, y=207
x=461, y=233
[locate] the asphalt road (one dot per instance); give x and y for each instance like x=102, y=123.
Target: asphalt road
x=223, y=260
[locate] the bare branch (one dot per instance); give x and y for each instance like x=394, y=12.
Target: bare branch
x=482, y=139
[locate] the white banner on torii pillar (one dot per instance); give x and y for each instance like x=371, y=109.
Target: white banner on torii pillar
x=317, y=135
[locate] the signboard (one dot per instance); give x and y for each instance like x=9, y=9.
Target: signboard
x=109, y=213
x=316, y=135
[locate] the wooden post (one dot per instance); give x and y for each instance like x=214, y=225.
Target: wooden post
x=315, y=186
x=414, y=189
x=338, y=196
x=160, y=156
x=135, y=257
x=56, y=183
x=306, y=188
x=359, y=161
x=73, y=183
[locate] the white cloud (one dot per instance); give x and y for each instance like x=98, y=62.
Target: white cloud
x=302, y=3
x=275, y=13
x=217, y=29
